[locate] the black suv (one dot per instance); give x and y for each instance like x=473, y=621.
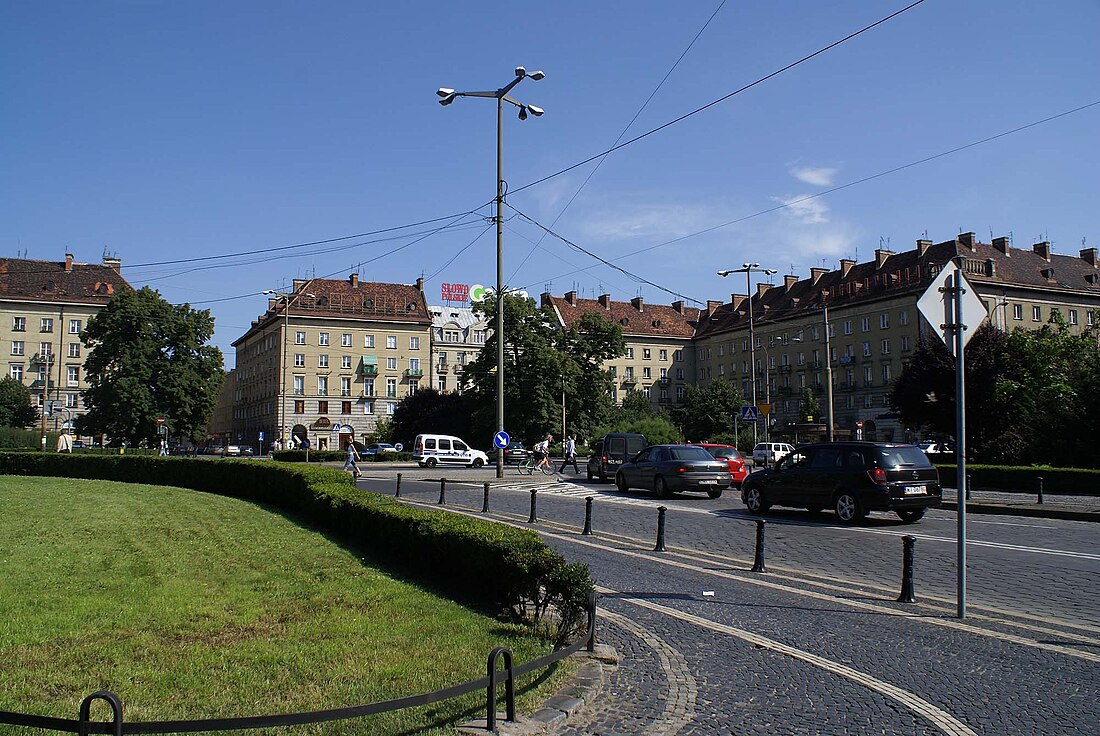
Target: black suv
x=611, y=451
x=852, y=478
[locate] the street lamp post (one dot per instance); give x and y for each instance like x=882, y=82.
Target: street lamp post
x=828, y=370
x=447, y=96
x=748, y=269
x=286, y=297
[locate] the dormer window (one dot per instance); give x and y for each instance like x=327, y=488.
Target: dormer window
x=1048, y=273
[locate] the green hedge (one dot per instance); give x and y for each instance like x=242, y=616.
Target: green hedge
x=475, y=560
x=328, y=456
x=1024, y=479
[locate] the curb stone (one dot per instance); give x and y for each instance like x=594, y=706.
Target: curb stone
x=583, y=687
x=1032, y=511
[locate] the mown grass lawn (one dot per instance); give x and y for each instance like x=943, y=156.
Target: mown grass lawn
x=190, y=605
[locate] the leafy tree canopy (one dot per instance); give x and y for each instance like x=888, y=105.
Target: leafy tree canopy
x=430, y=411
x=149, y=358
x=708, y=411
x=15, y=404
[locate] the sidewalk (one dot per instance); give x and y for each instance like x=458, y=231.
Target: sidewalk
x=1075, y=508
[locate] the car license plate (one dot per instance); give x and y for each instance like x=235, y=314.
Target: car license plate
x=712, y=482
x=914, y=490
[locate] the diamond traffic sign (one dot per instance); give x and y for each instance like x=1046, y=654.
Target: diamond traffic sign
x=937, y=304
x=749, y=414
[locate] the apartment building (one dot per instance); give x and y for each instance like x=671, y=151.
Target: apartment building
x=328, y=359
x=875, y=326
x=458, y=334
x=659, y=359
x=44, y=306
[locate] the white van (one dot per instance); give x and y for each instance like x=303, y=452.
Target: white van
x=430, y=450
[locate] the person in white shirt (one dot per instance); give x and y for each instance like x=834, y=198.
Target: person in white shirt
x=542, y=453
x=570, y=454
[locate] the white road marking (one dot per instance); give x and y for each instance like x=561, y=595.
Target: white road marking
x=939, y=718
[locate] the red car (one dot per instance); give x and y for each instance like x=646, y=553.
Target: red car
x=733, y=458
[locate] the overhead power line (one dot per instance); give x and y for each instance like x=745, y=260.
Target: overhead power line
x=723, y=98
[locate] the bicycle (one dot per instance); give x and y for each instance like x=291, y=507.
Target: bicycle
x=528, y=466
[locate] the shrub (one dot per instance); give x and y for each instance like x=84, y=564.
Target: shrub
x=1024, y=479
x=504, y=568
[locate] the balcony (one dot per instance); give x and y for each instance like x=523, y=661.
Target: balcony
x=664, y=381
x=783, y=391
x=846, y=386
x=442, y=368
x=39, y=384
x=414, y=373
x=367, y=394
x=664, y=400
x=816, y=365
x=43, y=358
x=629, y=381
x=458, y=368
x=368, y=371
x=783, y=369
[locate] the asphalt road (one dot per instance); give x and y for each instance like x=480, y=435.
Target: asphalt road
x=817, y=643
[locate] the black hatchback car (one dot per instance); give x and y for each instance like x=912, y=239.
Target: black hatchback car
x=852, y=478
x=671, y=468
x=514, y=454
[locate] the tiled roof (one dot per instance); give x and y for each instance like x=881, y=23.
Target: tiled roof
x=349, y=299
x=635, y=317
x=50, y=281
x=910, y=271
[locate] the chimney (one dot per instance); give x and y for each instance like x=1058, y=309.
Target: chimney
x=298, y=285
x=419, y=284
x=115, y=264
x=761, y=289
x=1088, y=255
x=816, y=274
x=636, y=302
x=605, y=301
x=967, y=239
x=922, y=247
x=571, y=297
x=881, y=255
x=1001, y=244
x=712, y=305
x=846, y=266
x=1042, y=250
x=788, y=281
x=354, y=281
x=678, y=307
x=68, y=262
x=736, y=300
x=545, y=299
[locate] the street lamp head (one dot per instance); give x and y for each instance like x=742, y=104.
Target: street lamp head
x=444, y=91
x=725, y=272
x=521, y=72
x=448, y=99
x=522, y=112
x=750, y=265
x=770, y=271
x=536, y=111
x=537, y=75
x=311, y=296
x=269, y=291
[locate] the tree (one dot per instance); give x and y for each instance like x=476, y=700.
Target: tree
x=708, y=411
x=430, y=411
x=149, y=358
x=807, y=403
x=15, y=404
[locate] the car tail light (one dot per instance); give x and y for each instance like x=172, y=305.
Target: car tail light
x=681, y=469
x=878, y=476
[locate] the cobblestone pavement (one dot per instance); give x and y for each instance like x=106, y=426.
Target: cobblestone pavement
x=817, y=644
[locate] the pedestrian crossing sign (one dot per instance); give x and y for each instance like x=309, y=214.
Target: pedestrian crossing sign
x=749, y=414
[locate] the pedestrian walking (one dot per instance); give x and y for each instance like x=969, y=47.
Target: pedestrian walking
x=64, y=442
x=351, y=463
x=570, y=454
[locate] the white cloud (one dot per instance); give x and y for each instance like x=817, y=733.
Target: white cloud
x=652, y=222
x=807, y=211
x=818, y=176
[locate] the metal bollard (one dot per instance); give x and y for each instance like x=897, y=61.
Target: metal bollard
x=442, y=491
x=909, y=543
x=758, y=558
x=534, y=517
x=485, y=502
x=660, y=529
x=969, y=484
x=1040, y=489
x=398, y=494
x=587, y=517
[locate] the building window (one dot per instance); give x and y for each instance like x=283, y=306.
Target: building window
x=299, y=385
x=75, y=325
x=73, y=375
x=299, y=406
x=299, y=360
x=345, y=407
x=847, y=327
x=345, y=386
x=391, y=364
x=868, y=375
x=74, y=349
x=368, y=407
x=886, y=346
x=391, y=388
x=19, y=324
x=299, y=338
x=645, y=391
x=391, y=342
x=322, y=407
x=414, y=386
x=903, y=317
x=630, y=353
x=904, y=343
x=866, y=349
x=1073, y=316
x=663, y=355
x=679, y=374
x=46, y=325
x=678, y=356
x=865, y=324
x=1089, y=317
x=368, y=387
x=17, y=371
x=322, y=385
x=664, y=373
x=1017, y=311
x=45, y=348
x=629, y=373
x=391, y=408
x=71, y=400
x=322, y=338
x=1036, y=314
x=322, y=361
x=368, y=341
x=442, y=384
x=479, y=336
x=884, y=321
x=414, y=343
x=646, y=354
x=345, y=362
x=885, y=373
x=646, y=374
x=345, y=340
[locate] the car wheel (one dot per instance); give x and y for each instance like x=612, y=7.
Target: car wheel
x=848, y=510
x=911, y=515
x=478, y=462
x=661, y=488
x=716, y=493
x=755, y=501
x=431, y=462
x=620, y=483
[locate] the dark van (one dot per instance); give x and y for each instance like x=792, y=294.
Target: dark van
x=612, y=451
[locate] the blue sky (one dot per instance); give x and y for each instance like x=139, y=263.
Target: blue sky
x=165, y=131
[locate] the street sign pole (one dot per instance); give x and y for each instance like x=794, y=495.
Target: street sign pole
x=960, y=433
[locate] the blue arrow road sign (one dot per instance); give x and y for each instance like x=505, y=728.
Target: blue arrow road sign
x=501, y=440
x=749, y=414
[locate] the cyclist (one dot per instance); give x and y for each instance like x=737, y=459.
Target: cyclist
x=541, y=451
